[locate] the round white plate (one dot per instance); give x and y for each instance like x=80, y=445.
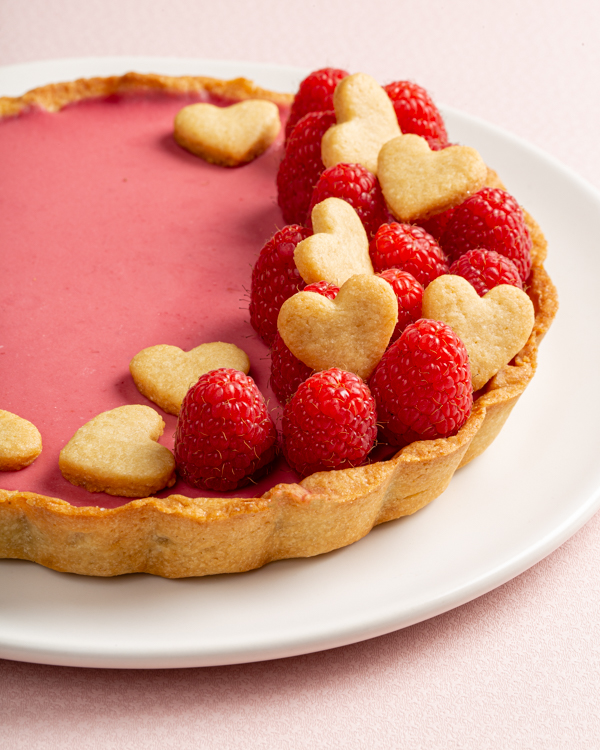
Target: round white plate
x=525, y=496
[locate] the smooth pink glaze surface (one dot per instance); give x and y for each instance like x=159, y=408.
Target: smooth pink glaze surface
x=113, y=239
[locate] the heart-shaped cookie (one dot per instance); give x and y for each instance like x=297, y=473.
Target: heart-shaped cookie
x=418, y=182
x=339, y=247
x=350, y=332
x=493, y=328
x=20, y=442
x=228, y=135
x=117, y=452
x=165, y=373
x=365, y=121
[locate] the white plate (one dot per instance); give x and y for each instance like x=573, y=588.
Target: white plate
x=525, y=496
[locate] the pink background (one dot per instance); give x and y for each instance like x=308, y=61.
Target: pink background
x=517, y=668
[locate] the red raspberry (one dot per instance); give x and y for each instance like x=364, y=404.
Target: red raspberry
x=274, y=279
x=225, y=437
x=409, y=293
x=409, y=248
x=302, y=165
x=437, y=224
x=287, y=371
x=358, y=187
x=485, y=269
x=330, y=423
x=491, y=220
x=324, y=288
x=422, y=385
x=416, y=113
x=314, y=95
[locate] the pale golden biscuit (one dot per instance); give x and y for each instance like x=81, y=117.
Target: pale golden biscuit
x=165, y=373
x=228, y=135
x=493, y=328
x=339, y=247
x=117, y=452
x=350, y=332
x=365, y=121
x=418, y=182
x=20, y=442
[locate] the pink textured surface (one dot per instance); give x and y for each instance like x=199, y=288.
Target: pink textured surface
x=516, y=668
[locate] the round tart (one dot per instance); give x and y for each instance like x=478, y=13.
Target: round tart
x=119, y=240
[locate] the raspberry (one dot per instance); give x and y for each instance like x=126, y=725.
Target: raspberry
x=490, y=220
x=436, y=225
x=274, y=279
x=409, y=248
x=225, y=437
x=422, y=385
x=485, y=269
x=302, y=165
x=330, y=423
x=287, y=371
x=324, y=288
x=314, y=95
x=409, y=294
x=416, y=113
x=358, y=187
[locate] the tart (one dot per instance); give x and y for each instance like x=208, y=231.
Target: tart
x=121, y=240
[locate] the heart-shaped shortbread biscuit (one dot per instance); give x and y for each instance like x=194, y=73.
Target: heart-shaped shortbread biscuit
x=228, y=135
x=117, y=452
x=418, y=182
x=493, y=328
x=165, y=373
x=365, y=121
x=350, y=332
x=20, y=442
x=339, y=247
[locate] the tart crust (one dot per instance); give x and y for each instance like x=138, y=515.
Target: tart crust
x=178, y=537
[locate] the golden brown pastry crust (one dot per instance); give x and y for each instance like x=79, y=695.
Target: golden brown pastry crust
x=177, y=536
x=55, y=96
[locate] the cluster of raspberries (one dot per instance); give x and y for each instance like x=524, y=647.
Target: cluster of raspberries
x=421, y=388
